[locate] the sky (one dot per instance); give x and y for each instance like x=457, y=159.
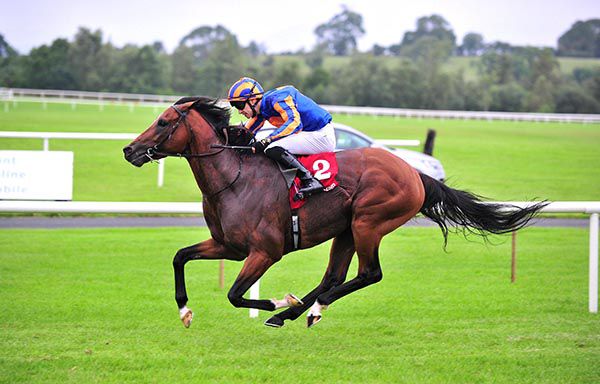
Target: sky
x=284, y=25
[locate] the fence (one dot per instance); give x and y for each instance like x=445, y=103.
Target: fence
x=588, y=207
x=48, y=95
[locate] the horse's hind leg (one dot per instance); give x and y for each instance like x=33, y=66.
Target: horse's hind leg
x=369, y=270
x=339, y=262
x=209, y=250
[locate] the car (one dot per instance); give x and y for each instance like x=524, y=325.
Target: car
x=350, y=138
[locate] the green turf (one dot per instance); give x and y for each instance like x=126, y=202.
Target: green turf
x=97, y=305
x=500, y=160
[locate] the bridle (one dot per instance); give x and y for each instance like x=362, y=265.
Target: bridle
x=154, y=151
x=150, y=152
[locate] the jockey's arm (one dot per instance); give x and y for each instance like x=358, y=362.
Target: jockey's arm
x=255, y=123
x=290, y=117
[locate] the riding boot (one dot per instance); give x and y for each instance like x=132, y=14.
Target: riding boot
x=310, y=185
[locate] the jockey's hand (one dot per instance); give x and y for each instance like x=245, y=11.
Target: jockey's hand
x=260, y=145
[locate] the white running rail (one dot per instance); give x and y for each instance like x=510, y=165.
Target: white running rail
x=102, y=98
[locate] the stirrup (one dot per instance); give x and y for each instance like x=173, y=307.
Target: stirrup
x=316, y=187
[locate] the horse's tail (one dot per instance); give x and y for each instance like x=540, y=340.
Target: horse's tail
x=469, y=213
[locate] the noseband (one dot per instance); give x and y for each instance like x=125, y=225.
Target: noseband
x=153, y=151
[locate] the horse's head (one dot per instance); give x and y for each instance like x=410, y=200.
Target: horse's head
x=191, y=120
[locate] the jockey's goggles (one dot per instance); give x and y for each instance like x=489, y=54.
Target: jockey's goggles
x=238, y=104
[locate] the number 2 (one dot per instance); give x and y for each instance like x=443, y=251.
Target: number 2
x=321, y=167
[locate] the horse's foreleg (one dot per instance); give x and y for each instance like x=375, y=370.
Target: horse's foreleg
x=340, y=257
x=254, y=267
x=209, y=250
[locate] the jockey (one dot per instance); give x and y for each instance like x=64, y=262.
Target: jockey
x=302, y=127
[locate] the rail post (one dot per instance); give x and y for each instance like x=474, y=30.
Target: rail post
x=593, y=294
x=254, y=292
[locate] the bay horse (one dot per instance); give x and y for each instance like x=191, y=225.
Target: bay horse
x=246, y=208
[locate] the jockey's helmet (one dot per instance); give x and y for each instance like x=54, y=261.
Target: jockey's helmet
x=242, y=90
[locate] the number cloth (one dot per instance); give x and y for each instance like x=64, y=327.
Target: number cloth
x=323, y=166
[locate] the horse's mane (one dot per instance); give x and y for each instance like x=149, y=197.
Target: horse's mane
x=207, y=106
x=218, y=117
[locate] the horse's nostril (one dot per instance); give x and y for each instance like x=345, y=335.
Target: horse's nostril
x=127, y=150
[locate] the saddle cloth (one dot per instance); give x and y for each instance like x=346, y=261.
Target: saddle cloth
x=323, y=166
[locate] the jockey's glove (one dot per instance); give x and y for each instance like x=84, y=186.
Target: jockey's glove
x=260, y=145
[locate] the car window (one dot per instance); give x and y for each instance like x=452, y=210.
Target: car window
x=348, y=140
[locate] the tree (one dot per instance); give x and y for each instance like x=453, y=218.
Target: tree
x=87, y=60
x=589, y=78
x=507, y=97
x=472, y=45
x=203, y=39
x=315, y=58
x=498, y=47
x=378, y=50
x=364, y=81
x=497, y=68
x=48, y=67
x=159, y=47
x=340, y=33
x=254, y=49
x=11, y=66
x=224, y=63
x=544, y=64
x=285, y=73
x=406, y=83
x=5, y=49
x=208, y=60
x=433, y=27
x=429, y=51
x=475, y=97
x=541, y=97
x=582, y=40
x=317, y=85
x=573, y=99
x=138, y=70
x=395, y=49
x=184, y=74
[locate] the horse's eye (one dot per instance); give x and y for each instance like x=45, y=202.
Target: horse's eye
x=162, y=123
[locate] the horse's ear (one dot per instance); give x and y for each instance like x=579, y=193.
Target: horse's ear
x=199, y=102
x=187, y=106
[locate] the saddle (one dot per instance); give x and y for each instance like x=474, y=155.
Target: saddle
x=324, y=168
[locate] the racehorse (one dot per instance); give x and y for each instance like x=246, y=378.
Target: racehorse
x=247, y=211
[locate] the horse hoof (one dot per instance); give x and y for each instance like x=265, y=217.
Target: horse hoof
x=293, y=301
x=187, y=319
x=312, y=320
x=274, y=322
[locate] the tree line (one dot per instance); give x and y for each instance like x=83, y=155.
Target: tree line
x=409, y=74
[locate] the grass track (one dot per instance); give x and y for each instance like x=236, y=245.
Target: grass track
x=96, y=305
x=500, y=160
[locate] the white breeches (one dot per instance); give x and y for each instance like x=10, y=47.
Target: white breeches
x=308, y=143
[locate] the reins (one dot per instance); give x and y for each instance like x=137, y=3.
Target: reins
x=152, y=151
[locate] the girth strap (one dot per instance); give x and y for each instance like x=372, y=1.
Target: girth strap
x=296, y=230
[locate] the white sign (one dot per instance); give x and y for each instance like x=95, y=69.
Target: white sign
x=36, y=175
